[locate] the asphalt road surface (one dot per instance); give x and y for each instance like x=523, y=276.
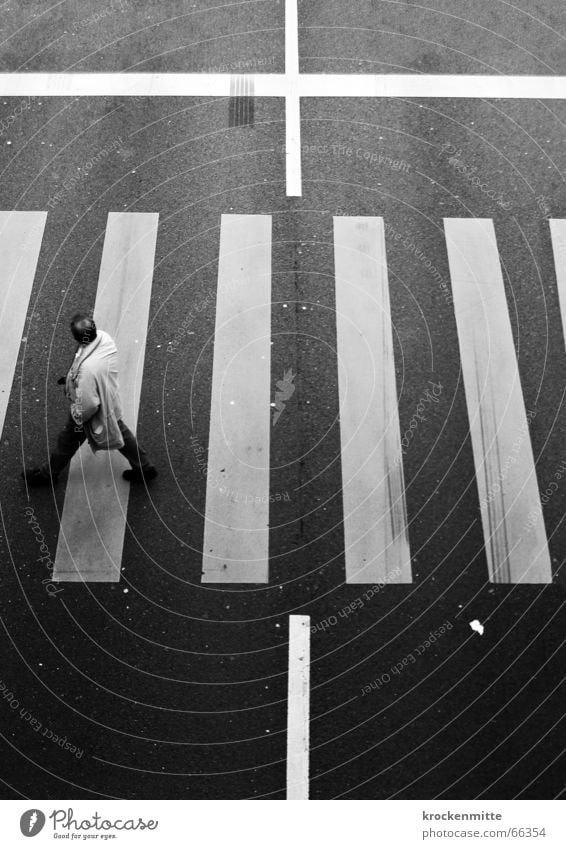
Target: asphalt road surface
x=168, y=687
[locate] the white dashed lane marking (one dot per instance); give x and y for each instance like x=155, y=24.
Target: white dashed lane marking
x=298, y=708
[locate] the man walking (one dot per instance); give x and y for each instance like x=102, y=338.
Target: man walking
x=91, y=387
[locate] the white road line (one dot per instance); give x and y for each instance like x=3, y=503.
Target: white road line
x=91, y=535
x=558, y=235
x=291, y=37
x=236, y=533
x=298, y=708
x=431, y=85
x=292, y=86
x=292, y=101
x=293, y=164
x=276, y=85
x=375, y=515
x=516, y=548
x=20, y=242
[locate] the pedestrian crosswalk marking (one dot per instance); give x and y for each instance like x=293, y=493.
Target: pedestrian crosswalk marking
x=90, y=548
x=91, y=535
x=376, y=538
x=558, y=235
x=236, y=534
x=21, y=234
x=516, y=548
x=298, y=708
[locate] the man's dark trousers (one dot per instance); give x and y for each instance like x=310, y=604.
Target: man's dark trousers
x=72, y=437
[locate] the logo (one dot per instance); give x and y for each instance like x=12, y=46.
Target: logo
x=286, y=389
x=32, y=822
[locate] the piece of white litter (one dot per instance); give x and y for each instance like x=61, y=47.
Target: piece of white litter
x=476, y=625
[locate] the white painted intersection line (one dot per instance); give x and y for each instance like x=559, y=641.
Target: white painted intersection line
x=292, y=101
x=276, y=85
x=558, y=235
x=292, y=86
x=298, y=708
x=516, y=550
x=432, y=86
x=91, y=536
x=376, y=537
x=291, y=38
x=21, y=234
x=236, y=532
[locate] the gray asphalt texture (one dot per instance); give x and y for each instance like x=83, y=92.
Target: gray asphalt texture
x=178, y=690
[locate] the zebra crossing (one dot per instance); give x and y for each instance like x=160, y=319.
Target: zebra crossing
x=236, y=530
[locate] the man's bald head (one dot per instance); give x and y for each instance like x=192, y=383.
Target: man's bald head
x=83, y=328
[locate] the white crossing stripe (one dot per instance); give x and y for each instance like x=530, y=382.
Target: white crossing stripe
x=21, y=234
x=236, y=534
x=298, y=708
x=558, y=235
x=516, y=548
x=375, y=515
x=91, y=536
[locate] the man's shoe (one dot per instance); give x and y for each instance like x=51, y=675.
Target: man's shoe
x=140, y=475
x=35, y=477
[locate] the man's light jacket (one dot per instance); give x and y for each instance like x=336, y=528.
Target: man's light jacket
x=92, y=388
